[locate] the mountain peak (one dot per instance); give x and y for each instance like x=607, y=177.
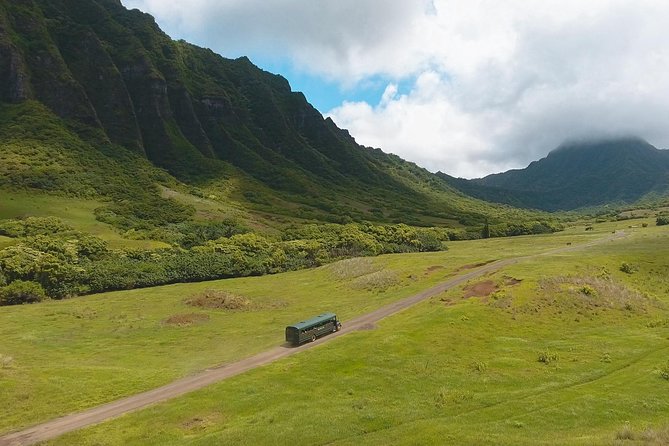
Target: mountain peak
x=581, y=173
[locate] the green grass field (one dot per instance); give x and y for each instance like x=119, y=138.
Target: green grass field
x=76, y=212
x=451, y=370
x=6, y=241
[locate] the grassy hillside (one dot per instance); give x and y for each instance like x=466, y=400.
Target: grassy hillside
x=463, y=366
x=42, y=157
x=78, y=213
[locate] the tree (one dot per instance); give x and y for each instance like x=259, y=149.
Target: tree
x=485, y=232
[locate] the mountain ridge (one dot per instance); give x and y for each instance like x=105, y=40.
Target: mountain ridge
x=578, y=174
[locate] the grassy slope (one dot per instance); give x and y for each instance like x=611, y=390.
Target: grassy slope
x=76, y=212
x=48, y=169
x=63, y=351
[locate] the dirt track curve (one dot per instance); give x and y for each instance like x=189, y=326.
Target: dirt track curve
x=59, y=426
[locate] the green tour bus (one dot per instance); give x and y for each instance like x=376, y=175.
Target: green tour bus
x=313, y=328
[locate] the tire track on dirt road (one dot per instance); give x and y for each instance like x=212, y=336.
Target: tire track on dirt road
x=59, y=426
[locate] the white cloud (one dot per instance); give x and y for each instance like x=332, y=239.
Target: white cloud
x=341, y=39
x=494, y=84
x=423, y=126
x=515, y=79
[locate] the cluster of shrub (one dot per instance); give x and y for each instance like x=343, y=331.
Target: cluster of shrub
x=662, y=220
x=520, y=228
x=52, y=260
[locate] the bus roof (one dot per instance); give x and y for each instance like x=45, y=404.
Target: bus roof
x=313, y=321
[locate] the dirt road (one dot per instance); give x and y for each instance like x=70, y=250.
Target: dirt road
x=60, y=426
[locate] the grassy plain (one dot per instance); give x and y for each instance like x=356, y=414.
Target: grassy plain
x=76, y=212
x=451, y=369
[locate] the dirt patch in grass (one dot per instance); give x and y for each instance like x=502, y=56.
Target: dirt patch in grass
x=194, y=424
x=434, y=268
x=201, y=423
x=185, y=320
x=498, y=296
x=480, y=289
x=218, y=300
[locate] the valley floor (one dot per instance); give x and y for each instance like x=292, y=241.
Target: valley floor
x=559, y=349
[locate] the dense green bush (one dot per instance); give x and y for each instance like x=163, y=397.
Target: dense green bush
x=506, y=230
x=662, y=220
x=547, y=357
x=32, y=226
x=187, y=234
x=198, y=233
x=628, y=268
x=124, y=272
x=21, y=292
x=72, y=263
x=59, y=272
x=524, y=228
x=356, y=239
x=69, y=263
x=144, y=212
x=72, y=247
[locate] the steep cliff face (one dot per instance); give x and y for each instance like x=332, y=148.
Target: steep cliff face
x=14, y=81
x=99, y=65
x=49, y=77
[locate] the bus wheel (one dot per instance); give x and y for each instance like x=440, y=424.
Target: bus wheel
x=313, y=338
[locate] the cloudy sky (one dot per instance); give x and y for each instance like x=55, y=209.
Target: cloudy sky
x=468, y=87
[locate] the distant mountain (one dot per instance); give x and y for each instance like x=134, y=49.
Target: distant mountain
x=93, y=95
x=577, y=175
